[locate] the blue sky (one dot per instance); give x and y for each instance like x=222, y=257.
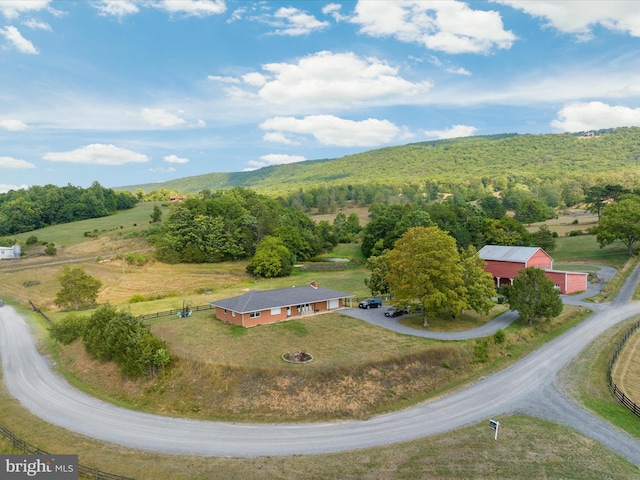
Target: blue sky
x=136, y=91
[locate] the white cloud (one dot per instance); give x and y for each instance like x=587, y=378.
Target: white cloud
x=255, y=79
x=579, y=17
x=456, y=131
x=293, y=22
x=217, y=78
x=163, y=169
x=459, y=71
x=99, y=154
x=330, y=130
x=117, y=8
x=13, y=35
x=13, y=125
x=276, y=159
x=333, y=9
x=159, y=117
x=451, y=26
x=14, y=8
x=8, y=162
x=37, y=25
x=192, y=8
x=579, y=117
x=175, y=159
x=337, y=80
x=279, y=137
x=4, y=188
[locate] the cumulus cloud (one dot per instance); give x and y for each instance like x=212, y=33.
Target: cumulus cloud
x=8, y=162
x=275, y=159
x=451, y=27
x=116, y=8
x=163, y=169
x=580, y=17
x=175, y=159
x=337, y=80
x=14, y=8
x=158, y=117
x=331, y=130
x=293, y=22
x=13, y=125
x=13, y=35
x=192, y=8
x=99, y=154
x=4, y=188
x=579, y=117
x=456, y=131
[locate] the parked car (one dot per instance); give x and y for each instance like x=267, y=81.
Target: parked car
x=370, y=303
x=395, y=312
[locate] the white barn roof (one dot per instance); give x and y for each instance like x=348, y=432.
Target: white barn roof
x=507, y=254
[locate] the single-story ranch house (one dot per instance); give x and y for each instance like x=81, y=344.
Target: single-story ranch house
x=504, y=263
x=258, y=307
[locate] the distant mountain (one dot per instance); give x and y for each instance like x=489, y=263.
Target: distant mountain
x=604, y=156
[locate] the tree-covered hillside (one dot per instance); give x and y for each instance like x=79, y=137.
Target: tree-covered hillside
x=611, y=156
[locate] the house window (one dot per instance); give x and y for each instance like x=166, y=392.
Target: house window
x=276, y=311
x=254, y=314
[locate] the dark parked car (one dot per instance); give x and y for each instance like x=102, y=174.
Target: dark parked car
x=370, y=303
x=395, y=312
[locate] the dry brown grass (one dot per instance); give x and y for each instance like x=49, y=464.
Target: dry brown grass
x=568, y=220
x=626, y=370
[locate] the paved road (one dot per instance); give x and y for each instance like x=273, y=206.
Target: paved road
x=525, y=387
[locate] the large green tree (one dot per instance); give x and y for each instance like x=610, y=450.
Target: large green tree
x=78, y=288
x=620, y=221
x=272, y=259
x=533, y=295
x=479, y=284
x=379, y=267
x=425, y=269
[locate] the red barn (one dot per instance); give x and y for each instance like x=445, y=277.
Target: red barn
x=504, y=263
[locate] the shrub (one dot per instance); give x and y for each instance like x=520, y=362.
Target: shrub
x=50, y=249
x=68, y=329
x=30, y=283
x=499, y=336
x=575, y=233
x=32, y=240
x=137, y=298
x=481, y=351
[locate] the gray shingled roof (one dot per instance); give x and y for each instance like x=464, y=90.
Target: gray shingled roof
x=257, y=300
x=507, y=254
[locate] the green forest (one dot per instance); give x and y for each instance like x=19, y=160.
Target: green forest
x=470, y=167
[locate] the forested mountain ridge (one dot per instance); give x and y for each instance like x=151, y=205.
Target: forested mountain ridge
x=611, y=156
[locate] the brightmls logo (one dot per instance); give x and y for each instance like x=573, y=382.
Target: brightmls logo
x=49, y=467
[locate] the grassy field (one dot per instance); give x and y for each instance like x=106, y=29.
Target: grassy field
x=124, y=222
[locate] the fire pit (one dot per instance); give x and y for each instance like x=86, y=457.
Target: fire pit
x=297, y=357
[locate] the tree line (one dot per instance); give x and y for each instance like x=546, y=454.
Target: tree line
x=37, y=207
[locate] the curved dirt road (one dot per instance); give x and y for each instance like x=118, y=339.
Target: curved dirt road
x=526, y=387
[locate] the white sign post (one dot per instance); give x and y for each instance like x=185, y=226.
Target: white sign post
x=494, y=424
